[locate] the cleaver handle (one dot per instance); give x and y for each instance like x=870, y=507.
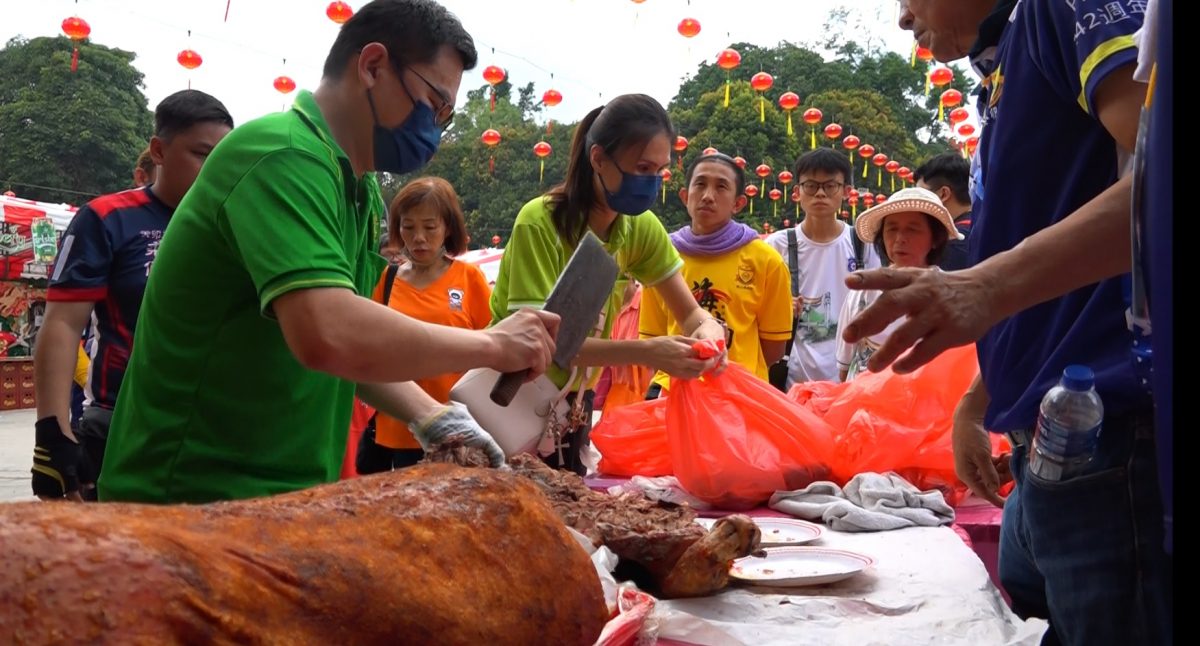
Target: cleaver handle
x=507, y=386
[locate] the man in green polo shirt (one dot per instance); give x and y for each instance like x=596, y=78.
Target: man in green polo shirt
x=257, y=327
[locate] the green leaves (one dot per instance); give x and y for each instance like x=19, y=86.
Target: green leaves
x=78, y=131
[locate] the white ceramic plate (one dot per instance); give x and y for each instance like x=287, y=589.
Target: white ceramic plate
x=778, y=531
x=789, y=567
x=787, y=531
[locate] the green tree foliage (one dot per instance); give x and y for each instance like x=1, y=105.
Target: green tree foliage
x=877, y=96
x=79, y=131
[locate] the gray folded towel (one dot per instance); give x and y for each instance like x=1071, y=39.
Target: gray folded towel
x=870, y=502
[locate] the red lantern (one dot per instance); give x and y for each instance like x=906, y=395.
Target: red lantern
x=76, y=29
x=284, y=85
x=339, y=12
x=740, y=161
x=666, y=175
x=812, y=117
x=785, y=177
x=709, y=151
x=787, y=100
x=727, y=60
x=775, y=194
x=866, y=151
x=850, y=142
x=971, y=144
x=958, y=115
x=689, y=27
x=681, y=146
x=495, y=240
x=491, y=138
x=880, y=198
x=551, y=98
x=760, y=83
x=189, y=59
x=949, y=99
x=868, y=200
x=966, y=130
x=751, y=192
x=763, y=170
x=892, y=166
x=941, y=76
x=542, y=150
x=924, y=55
x=833, y=131
x=494, y=75
x=879, y=160
x=904, y=172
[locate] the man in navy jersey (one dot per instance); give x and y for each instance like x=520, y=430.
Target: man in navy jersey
x=1086, y=553
x=101, y=275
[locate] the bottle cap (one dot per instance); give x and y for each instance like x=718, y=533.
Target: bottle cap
x=1078, y=378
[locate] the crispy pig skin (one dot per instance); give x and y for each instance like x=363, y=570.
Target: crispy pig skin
x=431, y=554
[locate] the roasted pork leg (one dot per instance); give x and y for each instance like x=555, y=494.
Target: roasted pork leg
x=435, y=554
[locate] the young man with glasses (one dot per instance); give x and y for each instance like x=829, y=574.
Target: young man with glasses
x=252, y=393
x=820, y=252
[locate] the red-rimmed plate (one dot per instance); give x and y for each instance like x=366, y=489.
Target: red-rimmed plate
x=790, y=567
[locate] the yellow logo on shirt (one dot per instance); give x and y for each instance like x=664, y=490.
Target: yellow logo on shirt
x=745, y=274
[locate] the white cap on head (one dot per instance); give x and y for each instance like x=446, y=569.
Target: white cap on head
x=906, y=200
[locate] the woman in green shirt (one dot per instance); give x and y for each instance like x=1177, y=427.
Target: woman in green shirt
x=613, y=177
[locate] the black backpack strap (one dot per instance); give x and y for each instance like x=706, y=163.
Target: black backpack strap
x=388, y=279
x=858, y=249
x=794, y=261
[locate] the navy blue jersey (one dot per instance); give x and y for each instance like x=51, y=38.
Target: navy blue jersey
x=1043, y=154
x=105, y=259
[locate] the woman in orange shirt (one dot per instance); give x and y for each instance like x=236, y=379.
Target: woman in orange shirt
x=425, y=222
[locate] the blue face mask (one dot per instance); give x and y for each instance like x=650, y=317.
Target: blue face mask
x=410, y=145
x=636, y=195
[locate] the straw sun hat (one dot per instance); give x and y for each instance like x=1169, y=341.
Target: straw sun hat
x=905, y=201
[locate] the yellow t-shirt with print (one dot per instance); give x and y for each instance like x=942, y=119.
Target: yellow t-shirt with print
x=749, y=289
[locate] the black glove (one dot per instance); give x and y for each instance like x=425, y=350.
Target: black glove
x=55, y=460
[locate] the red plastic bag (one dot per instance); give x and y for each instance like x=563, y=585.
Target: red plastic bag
x=734, y=439
x=632, y=440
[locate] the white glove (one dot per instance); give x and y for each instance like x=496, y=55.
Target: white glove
x=454, y=421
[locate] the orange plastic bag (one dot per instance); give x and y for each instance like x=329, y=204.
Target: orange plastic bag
x=734, y=439
x=632, y=440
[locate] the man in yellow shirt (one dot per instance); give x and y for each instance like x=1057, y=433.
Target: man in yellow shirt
x=733, y=274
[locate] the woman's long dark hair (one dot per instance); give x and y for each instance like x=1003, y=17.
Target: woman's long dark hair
x=630, y=119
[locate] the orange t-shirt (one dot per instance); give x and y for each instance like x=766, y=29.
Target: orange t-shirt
x=460, y=298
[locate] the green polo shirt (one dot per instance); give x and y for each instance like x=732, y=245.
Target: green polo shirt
x=214, y=405
x=535, y=256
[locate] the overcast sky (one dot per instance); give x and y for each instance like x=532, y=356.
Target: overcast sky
x=592, y=47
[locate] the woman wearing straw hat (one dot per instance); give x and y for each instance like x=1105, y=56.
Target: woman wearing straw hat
x=911, y=229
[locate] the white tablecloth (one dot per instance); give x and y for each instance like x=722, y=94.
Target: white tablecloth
x=926, y=587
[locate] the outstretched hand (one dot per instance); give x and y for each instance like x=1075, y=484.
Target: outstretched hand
x=943, y=309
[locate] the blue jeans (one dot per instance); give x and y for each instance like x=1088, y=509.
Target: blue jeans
x=1087, y=553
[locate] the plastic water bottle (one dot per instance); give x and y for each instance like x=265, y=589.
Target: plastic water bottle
x=1068, y=426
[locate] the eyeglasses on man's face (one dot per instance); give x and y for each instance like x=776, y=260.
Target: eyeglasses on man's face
x=443, y=115
x=810, y=188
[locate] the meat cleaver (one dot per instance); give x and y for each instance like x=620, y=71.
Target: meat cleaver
x=578, y=298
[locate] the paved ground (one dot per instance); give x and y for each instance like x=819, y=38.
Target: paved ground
x=16, y=454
